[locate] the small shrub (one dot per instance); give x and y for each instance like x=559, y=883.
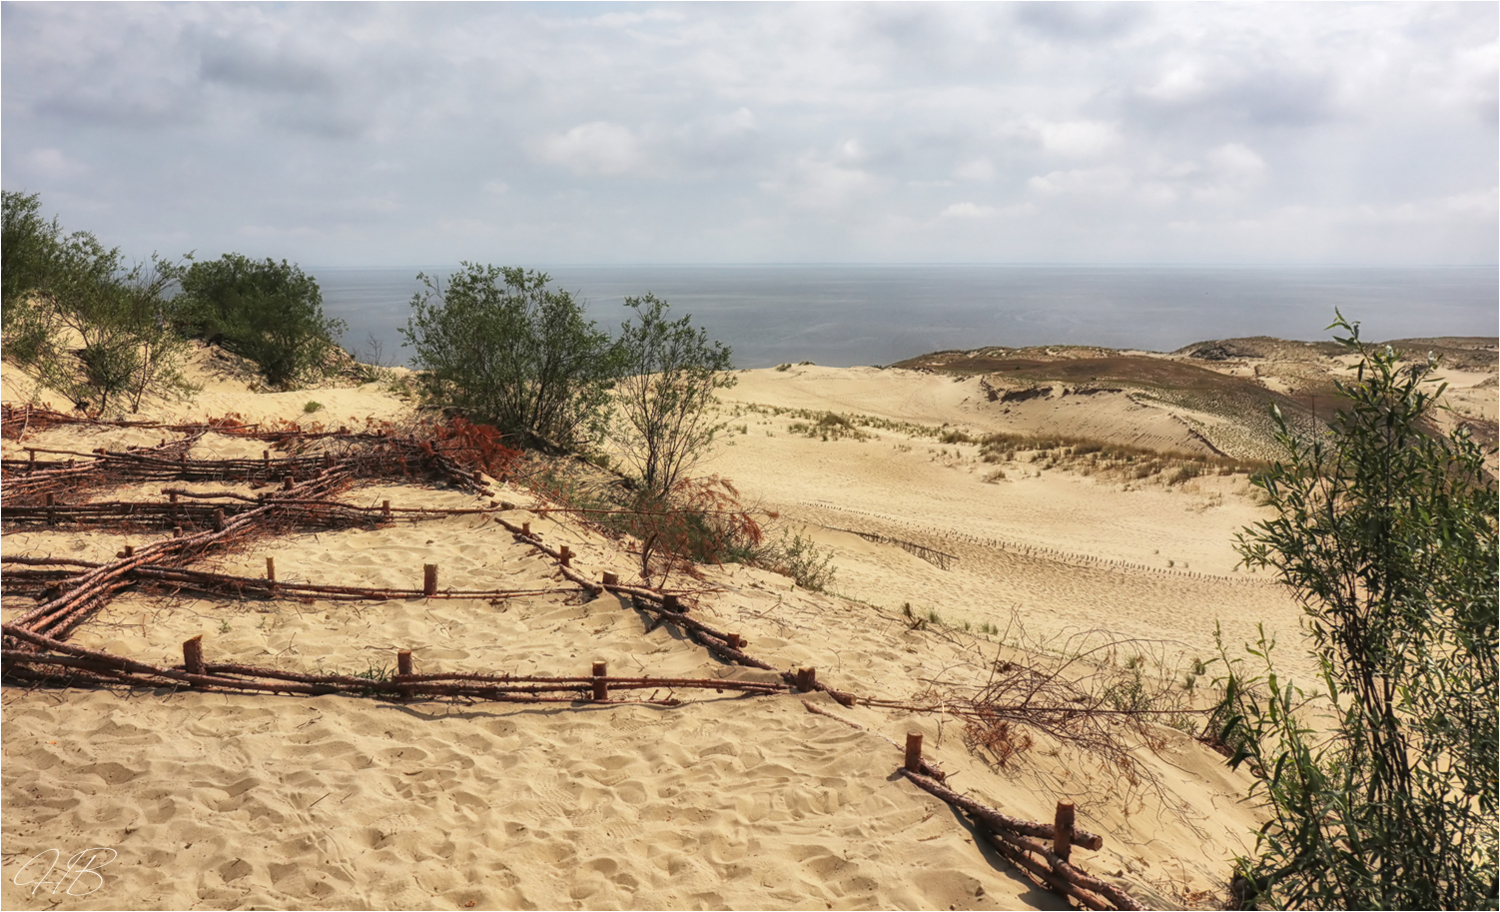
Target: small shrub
x=312, y=406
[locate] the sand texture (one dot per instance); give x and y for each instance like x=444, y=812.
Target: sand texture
x=724, y=801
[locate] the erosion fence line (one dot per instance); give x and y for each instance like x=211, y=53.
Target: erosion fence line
x=36, y=651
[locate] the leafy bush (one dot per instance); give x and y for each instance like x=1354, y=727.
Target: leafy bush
x=669, y=373
x=1387, y=533
x=500, y=346
x=263, y=310
x=123, y=317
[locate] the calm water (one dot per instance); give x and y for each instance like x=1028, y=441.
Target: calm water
x=854, y=315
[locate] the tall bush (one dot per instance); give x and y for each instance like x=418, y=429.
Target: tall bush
x=669, y=374
x=269, y=312
x=1382, y=789
x=502, y=347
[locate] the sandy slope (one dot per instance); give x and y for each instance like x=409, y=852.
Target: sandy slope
x=283, y=802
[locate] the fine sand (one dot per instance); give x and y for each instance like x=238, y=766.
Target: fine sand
x=229, y=801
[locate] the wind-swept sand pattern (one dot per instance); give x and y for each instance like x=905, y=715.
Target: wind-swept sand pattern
x=229, y=800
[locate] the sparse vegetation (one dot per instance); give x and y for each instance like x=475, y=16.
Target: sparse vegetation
x=669, y=373
x=1382, y=789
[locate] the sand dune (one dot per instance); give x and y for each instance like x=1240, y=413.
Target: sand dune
x=220, y=801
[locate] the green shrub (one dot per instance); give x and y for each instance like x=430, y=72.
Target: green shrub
x=669, y=372
x=499, y=345
x=1381, y=790
x=266, y=311
x=123, y=317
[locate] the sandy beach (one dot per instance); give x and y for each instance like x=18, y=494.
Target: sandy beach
x=215, y=800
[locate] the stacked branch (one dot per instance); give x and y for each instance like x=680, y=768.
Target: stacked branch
x=55, y=663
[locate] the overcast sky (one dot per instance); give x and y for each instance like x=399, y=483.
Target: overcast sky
x=363, y=135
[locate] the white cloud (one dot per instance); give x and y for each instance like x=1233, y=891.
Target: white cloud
x=1076, y=138
x=1106, y=181
x=596, y=148
x=979, y=169
x=968, y=211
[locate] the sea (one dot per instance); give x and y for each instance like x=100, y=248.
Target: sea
x=848, y=315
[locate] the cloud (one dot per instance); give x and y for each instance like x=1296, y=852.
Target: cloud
x=1092, y=182
x=847, y=132
x=598, y=148
x=979, y=169
x=968, y=211
x=1075, y=139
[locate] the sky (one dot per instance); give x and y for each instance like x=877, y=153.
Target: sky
x=357, y=134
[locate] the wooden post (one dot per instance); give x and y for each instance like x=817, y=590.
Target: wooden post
x=176, y=531
x=806, y=679
x=271, y=571
x=327, y=460
x=673, y=603
x=429, y=579
x=526, y=528
x=172, y=499
x=601, y=685
x=611, y=579
x=403, y=672
x=1062, y=839
x=286, y=483
x=385, y=510
x=265, y=459
x=129, y=551
x=31, y=460
x=565, y=556
x=218, y=520
x=51, y=514
x=914, y=752
x=737, y=642
x=192, y=655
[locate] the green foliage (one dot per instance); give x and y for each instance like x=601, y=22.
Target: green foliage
x=669, y=373
x=124, y=318
x=500, y=346
x=1382, y=789
x=263, y=310
x=799, y=558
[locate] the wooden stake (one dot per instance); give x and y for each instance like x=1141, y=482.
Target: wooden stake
x=385, y=510
x=404, y=671
x=526, y=529
x=286, y=483
x=31, y=460
x=192, y=655
x=611, y=579
x=176, y=531
x=1062, y=839
x=601, y=684
x=271, y=569
x=914, y=752
x=429, y=579
x=673, y=603
x=806, y=679
x=218, y=520
x=129, y=551
x=565, y=556
x=51, y=514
